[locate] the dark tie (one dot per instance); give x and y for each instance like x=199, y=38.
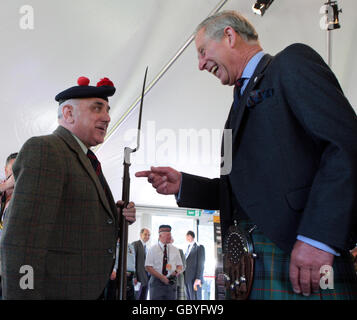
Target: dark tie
x=164, y=261
x=97, y=168
x=237, y=90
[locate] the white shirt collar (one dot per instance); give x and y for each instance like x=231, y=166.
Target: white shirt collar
x=162, y=245
x=190, y=247
x=191, y=244
x=81, y=144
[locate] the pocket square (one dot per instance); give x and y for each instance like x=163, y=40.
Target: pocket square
x=257, y=96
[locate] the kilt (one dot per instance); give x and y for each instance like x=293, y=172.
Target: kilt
x=271, y=274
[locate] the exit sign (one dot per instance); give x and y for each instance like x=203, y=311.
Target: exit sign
x=194, y=212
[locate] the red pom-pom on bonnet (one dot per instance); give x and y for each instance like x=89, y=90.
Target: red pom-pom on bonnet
x=83, y=81
x=105, y=82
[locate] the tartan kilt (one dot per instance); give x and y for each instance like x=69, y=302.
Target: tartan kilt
x=271, y=274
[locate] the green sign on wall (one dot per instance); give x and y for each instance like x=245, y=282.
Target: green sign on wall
x=194, y=212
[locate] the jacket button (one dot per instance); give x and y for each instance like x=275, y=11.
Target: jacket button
x=110, y=250
x=109, y=221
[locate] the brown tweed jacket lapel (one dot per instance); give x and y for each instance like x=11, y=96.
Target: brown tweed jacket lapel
x=74, y=146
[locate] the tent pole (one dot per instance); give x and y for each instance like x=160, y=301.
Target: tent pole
x=329, y=48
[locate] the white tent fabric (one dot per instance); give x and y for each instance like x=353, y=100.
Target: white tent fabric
x=118, y=39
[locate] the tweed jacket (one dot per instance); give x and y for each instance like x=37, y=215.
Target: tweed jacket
x=294, y=155
x=59, y=222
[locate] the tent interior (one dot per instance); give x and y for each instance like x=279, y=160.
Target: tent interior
x=47, y=45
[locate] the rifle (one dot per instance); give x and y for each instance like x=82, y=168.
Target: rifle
x=123, y=223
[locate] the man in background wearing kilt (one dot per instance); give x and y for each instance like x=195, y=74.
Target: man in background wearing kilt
x=293, y=168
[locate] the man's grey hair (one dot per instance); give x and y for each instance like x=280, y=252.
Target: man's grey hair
x=72, y=102
x=214, y=25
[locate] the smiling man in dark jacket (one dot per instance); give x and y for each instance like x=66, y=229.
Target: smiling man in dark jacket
x=292, y=167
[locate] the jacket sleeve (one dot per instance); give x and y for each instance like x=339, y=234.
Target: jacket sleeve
x=31, y=217
x=199, y=192
x=317, y=101
x=200, y=262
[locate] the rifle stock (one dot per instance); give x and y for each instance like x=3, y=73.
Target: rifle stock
x=123, y=234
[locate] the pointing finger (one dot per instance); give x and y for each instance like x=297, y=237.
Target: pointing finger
x=142, y=173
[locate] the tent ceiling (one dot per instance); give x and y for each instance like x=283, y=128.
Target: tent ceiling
x=118, y=39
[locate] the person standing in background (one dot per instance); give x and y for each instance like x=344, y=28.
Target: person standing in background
x=7, y=187
x=164, y=263
x=141, y=275
x=181, y=294
x=111, y=290
x=195, y=262
x=6, y=190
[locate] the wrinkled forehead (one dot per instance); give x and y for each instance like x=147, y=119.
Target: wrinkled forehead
x=87, y=102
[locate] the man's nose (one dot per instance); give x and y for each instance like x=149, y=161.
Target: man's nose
x=106, y=116
x=201, y=63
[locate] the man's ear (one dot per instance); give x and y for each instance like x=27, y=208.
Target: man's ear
x=67, y=111
x=231, y=36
